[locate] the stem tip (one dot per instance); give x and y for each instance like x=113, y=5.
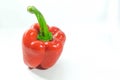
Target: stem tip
x=31, y=9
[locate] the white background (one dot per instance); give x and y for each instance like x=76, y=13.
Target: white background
x=92, y=48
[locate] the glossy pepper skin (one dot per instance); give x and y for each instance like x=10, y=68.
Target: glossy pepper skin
x=42, y=53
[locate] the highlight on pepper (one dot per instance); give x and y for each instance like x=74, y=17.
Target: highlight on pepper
x=42, y=45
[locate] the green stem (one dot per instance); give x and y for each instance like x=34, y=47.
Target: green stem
x=44, y=33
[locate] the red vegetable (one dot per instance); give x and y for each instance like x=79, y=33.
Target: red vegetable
x=42, y=45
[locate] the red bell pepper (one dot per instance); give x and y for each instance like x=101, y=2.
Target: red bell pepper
x=42, y=45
